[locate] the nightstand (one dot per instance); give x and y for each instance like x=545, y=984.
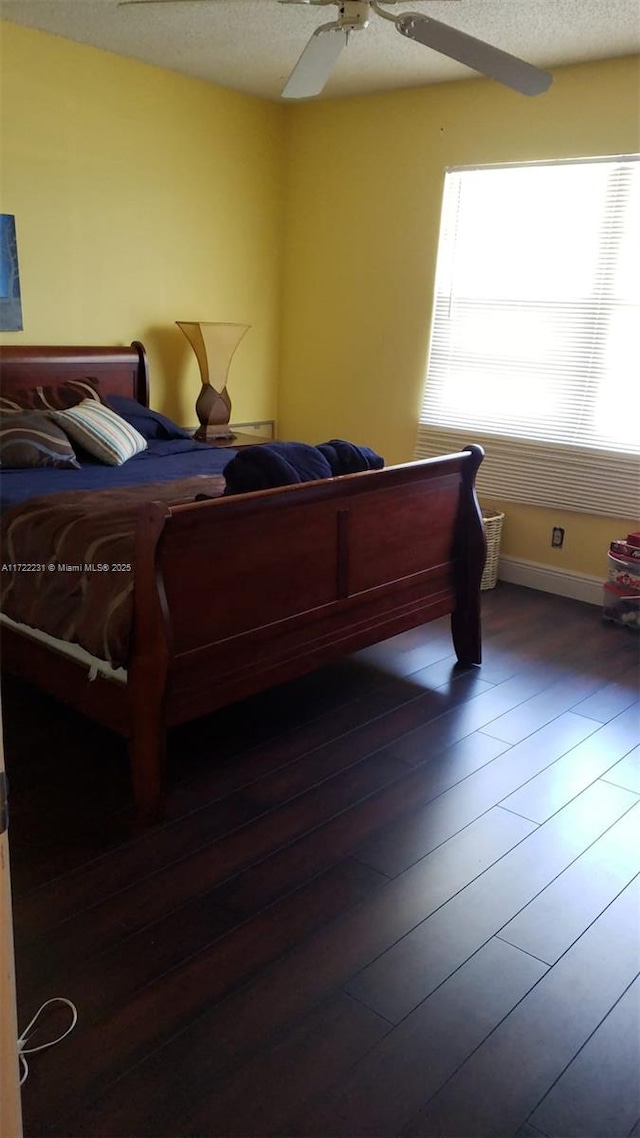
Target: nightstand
x=259, y=431
x=238, y=442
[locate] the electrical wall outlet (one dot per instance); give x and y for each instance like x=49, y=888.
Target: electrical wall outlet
x=557, y=537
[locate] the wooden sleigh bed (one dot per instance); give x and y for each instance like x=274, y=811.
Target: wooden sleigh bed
x=234, y=595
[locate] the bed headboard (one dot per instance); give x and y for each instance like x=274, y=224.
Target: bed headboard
x=118, y=370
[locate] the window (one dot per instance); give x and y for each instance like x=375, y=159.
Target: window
x=535, y=342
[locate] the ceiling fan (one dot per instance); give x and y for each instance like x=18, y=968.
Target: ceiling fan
x=320, y=56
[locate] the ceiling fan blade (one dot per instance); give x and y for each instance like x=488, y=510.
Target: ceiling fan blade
x=482, y=57
x=316, y=62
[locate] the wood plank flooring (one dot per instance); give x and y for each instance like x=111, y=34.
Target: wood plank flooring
x=390, y=898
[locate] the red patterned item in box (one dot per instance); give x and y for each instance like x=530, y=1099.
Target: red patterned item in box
x=633, y=539
x=622, y=548
x=624, y=571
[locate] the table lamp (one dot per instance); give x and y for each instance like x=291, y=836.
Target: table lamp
x=214, y=345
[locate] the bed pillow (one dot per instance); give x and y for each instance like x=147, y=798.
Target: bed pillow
x=101, y=432
x=58, y=398
x=150, y=424
x=29, y=439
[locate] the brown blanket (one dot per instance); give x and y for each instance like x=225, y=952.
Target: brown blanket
x=67, y=561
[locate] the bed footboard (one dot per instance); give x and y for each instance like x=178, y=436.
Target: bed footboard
x=234, y=595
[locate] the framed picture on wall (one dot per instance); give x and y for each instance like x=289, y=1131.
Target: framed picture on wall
x=10, y=301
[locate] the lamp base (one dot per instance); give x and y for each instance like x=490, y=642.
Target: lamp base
x=213, y=409
x=210, y=434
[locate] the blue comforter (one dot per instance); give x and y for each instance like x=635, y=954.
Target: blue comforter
x=164, y=461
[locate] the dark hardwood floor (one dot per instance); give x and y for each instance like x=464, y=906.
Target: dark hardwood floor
x=390, y=898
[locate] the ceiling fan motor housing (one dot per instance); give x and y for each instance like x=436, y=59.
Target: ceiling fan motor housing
x=354, y=14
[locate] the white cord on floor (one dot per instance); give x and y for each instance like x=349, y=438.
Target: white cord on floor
x=24, y=1038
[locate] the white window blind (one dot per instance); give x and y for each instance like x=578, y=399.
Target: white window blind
x=535, y=342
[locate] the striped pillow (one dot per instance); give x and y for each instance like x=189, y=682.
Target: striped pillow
x=29, y=439
x=101, y=432
x=51, y=398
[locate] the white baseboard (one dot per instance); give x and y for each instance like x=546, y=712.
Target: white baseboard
x=562, y=582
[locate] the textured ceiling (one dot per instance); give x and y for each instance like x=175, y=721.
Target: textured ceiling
x=252, y=45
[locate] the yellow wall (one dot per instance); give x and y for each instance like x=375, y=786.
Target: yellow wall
x=526, y=534
x=364, y=191
x=143, y=197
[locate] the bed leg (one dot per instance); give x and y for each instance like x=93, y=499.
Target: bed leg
x=147, y=755
x=148, y=669
x=467, y=636
x=466, y=618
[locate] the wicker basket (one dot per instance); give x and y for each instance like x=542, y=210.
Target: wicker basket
x=493, y=529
